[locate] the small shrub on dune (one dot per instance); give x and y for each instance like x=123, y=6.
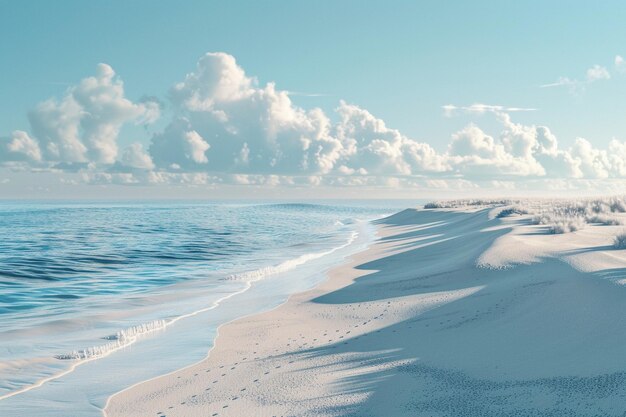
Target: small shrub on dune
x=559, y=215
x=604, y=220
x=541, y=219
x=619, y=241
x=618, y=206
x=510, y=211
x=559, y=224
x=567, y=226
x=465, y=203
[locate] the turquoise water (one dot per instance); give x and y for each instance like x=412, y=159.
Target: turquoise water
x=96, y=297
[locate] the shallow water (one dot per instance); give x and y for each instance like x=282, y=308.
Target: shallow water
x=95, y=297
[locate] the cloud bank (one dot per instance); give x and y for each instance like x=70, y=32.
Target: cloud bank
x=226, y=127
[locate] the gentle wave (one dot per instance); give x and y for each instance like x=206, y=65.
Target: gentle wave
x=121, y=339
x=127, y=337
x=258, y=274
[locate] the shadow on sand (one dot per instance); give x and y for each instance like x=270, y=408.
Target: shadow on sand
x=534, y=340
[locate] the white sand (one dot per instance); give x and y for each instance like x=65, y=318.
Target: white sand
x=449, y=313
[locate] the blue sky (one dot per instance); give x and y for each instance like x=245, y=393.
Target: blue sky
x=401, y=61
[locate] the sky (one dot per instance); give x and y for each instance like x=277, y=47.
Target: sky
x=276, y=99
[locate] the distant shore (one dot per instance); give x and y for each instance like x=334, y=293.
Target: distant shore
x=450, y=312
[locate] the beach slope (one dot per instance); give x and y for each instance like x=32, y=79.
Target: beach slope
x=448, y=313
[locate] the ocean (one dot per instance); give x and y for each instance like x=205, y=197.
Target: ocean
x=95, y=297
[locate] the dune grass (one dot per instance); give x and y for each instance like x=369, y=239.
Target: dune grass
x=558, y=215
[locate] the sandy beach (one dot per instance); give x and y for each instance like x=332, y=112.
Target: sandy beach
x=449, y=313
x=312, y=208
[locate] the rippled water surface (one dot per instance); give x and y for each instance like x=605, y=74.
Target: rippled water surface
x=80, y=280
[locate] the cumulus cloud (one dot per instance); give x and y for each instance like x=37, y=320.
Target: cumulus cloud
x=20, y=147
x=248, y=128
x=472, y=151
x=257, y=129
x=83, y=126
x=597, y=72
x=135, y=157
x=370, y=146
x=227, y=127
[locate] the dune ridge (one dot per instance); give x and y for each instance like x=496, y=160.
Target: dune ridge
x=452, y=311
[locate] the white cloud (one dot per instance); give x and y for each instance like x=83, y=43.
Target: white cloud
x=593, y=74
x=471, y=141
x=250, y=128
x=473, y=152
x=84, y=125
x=561, y=81
x=134, y=156
x=22, y=147
x=596, y=73
x=228, y=128
x=591, y=163
x=368, y=145
x=179, y=146
x=620, y=63
x=481, y=108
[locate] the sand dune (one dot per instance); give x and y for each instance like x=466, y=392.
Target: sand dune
x=452, y=312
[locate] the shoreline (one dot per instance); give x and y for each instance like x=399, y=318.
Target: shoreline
x=370, y=238
x=347, y=262
x=187, y=341
x=419, y=323
x=217, y=334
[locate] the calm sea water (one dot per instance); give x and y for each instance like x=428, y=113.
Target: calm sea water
x=86, y=290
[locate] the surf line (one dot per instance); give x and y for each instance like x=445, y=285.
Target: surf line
x=252, y=276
